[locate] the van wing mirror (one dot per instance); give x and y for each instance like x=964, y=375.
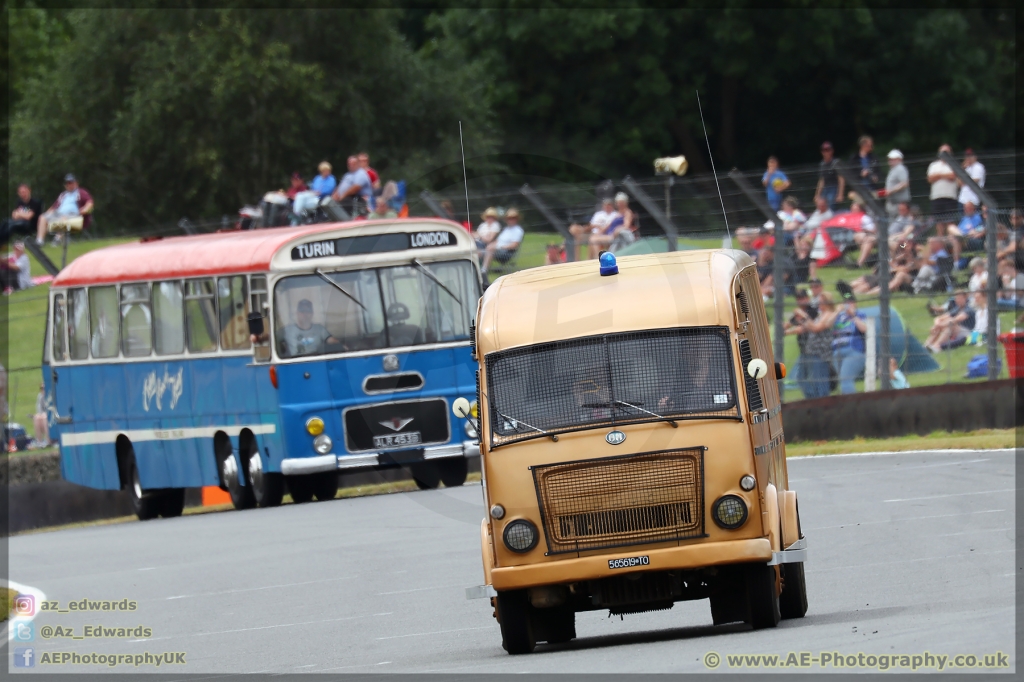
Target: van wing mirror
x=757, y=368
x=256, y=324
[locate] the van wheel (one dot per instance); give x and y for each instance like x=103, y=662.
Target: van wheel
x=300, y=488
x=793, y=600
x=728, y=603
x=267, y=488
x=172, y=502
x=554, y=625
x=145, y=504
x=241, y=495
x=514, y=618
x=762, y=600
x=426, y=475
x=453, y=471
x=325, y=486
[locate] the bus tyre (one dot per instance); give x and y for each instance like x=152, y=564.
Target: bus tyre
x=453, y=471
x=325, y=486
x=300, y=488
x=267, y=488
x=172, y=502
x=793, y=600
x=762, y=599
x=426, y=475
x=146, y=505
x=241, y=495
x=516, y=626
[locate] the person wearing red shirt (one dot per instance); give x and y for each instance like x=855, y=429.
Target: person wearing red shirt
x=298, y=185
x=73, y=201
x=364, y=163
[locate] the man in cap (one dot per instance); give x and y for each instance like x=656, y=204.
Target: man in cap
x=976, y=170
x=73, y=201
x=304, y=337
x=488, y=230
x=897, y=184
x=505, y=246
x=830, y=183
x=817, y=288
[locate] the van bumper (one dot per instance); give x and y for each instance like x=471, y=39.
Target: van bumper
x=595, y=567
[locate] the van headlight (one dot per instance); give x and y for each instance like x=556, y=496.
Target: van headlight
x=729, y=512
x=520, y=536
x=323, y=444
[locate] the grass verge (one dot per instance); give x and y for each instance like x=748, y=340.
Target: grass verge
x=7, y=596
x=983, y=439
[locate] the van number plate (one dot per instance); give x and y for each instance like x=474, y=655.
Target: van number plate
x=411, y=438
x=629, y=562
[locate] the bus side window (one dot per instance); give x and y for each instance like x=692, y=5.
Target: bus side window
x=234, y=325
x=201, y=316
x=169, y=318
x=258, y=296
x=58, y=331
x=105, y=321
x=78, y=323
x=136, y=321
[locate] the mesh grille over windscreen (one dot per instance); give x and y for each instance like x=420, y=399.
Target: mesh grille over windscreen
x=608, y=380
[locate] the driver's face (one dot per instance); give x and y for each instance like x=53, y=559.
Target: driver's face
x=304, y=319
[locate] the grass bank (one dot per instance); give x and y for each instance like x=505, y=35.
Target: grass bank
x=983, y=439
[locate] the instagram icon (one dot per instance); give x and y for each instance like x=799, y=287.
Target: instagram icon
x=24, y=605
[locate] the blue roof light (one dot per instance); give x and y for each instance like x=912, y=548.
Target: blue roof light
x=608, y=264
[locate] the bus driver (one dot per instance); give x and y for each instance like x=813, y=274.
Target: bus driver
x=304, y=337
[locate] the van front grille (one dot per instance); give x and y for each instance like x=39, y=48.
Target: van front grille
x=620, y=501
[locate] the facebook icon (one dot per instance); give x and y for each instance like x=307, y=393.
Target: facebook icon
x=24, y=657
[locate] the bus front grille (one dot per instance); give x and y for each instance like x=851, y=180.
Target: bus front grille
x=620, y=501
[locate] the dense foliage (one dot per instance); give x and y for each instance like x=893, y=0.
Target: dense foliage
x=166, y=113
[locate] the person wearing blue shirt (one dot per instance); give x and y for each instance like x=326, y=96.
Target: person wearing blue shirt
x=970, y=231
x=848, y=344
x=775, y=183
x=324, y=183
x=356, y=181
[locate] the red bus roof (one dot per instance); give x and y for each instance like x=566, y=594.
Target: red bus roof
x=197, y=255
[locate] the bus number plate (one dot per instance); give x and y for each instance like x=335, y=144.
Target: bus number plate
x=391, y=441
x=629, y=562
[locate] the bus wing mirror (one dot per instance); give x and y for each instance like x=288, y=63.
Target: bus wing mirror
x=256, y=324
x=757, y=368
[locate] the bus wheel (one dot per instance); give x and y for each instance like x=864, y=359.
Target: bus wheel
x=761, y=597
x=146, y=505
x=325, y=485
x=514, y=618
x=793, y=601
x=426, y=475
x=453, y=471
x=172, y=502
x=300, y=488
x=241, y=495
x=267, y=488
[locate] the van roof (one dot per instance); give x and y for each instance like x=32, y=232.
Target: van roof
x=571, y=300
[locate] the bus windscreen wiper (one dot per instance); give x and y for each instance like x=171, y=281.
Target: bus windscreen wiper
x=322, y=275
x=422, y=268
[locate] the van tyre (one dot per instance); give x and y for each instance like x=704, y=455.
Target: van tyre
x=300, y=488
x=426, y=475
x=514, y=618
x=453, y=471
x=267, y=487
x=325, y=486
x=762, y=600
x=728, y=597
x=554, y=625
x=145, y=504
x=793, y=600
x=172, y=502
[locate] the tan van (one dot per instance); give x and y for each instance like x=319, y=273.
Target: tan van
x=632, y=445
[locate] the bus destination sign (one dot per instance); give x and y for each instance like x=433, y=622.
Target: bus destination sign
x=377, y=243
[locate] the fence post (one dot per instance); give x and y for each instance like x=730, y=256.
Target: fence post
x=990, y=248
x=563, y=229
x=881, y=218
x=777, y=271
x=671, y=233
x=871, y=367
x=434, y=206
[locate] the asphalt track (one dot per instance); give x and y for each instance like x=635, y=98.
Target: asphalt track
x=908, y=553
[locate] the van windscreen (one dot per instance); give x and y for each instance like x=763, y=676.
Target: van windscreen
x=610, y=379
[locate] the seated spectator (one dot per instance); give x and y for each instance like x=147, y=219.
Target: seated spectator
x=822, y=212
x=619, y=232
x=902, y=227
x=792, y=219
x=897, y=379
x=297, y=185
x=980, y=332
x=488, y=230
x=599, y=222
x=902, y=269
x=17, y=272
x=25, y=217
x=979, y=275
x=364, y=163
x=928, y=273
x=73, y=201
x=951, y=329
x=382, y=212
x=355, y=183
x=509, y=239
x=324, y=183
x=1011, y=293
x=866, y=238
x=969, y=233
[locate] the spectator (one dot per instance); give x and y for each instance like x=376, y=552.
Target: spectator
x=830, y=182
x=488, y=230
x=599, y=222
x=364, y=163
x=625, y=233
x=792, y=219
x=848, y=344
x=17, y=273
x=943, y=195
x=901, y=227
x=951, y=328
x=803, y=313
x=897, y=379
x=1010, y=296
x=979, y=275
x=969, y=233
x=976, y=170
x=897, y=184
x=382, y=211
x=775, y=183
x=25, y=217
x=902, y=268
x=766, y=271
x=821, y=213
x=40, y=421
x=297, y=185
x=73, y=201
x=804, y=267
x=980, y=332
x=745, y=237
x=817, y=291
x=865, y=161
x=928, y=273
x=509, y=239
x=817, y=353
x=324, y=183
x=355, y=183
x=866, y=237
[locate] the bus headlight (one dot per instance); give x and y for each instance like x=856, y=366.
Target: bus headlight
x=314, y=426
x=520, y=536
x=323, y=444
x=729, y=512
x=469, y=429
